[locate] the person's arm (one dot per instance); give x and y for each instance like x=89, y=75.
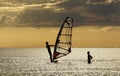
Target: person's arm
x=91, y=57
x=51, y=45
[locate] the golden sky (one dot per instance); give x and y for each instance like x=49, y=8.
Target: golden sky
x=85, y=36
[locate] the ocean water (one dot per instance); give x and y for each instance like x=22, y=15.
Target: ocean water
x=35, y=62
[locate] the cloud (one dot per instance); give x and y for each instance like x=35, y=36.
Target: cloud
x=51, y=12
x=104, y=10
x=109, y=13
x=95, y=2
x=94, y=11
x=28, y=13
x=45, y=13
x=105, y=28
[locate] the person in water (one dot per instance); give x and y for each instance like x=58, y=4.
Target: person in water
x=89, y=57
x=49, y=51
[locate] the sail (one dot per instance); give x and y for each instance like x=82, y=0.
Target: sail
x=64, y=39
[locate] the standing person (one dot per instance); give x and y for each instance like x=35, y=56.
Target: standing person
x=89, y=57
x=49, y=51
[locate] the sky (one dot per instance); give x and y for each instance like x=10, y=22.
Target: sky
x=22, y=22
x=35, y=13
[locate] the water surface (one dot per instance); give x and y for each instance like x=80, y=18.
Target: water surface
x=35, y=62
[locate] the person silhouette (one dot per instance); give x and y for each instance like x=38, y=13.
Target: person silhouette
x=49, y=51
x=89, y=57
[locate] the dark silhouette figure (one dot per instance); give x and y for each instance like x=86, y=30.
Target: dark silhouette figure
x=89, y=57
x=49, y=51
x=69, y=50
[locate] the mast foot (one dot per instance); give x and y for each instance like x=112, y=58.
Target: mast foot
x=55, y=61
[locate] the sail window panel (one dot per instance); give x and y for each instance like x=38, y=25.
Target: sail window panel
x=62, y=39
x=65, y=39
x=62, y=50
x=66, y=31
x=66, y=46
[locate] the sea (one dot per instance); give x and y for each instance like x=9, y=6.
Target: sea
x=36, y=62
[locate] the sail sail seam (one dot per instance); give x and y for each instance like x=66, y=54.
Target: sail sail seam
x=66, y=34
x=64, y=42
x=67, y=27
x=62, y=48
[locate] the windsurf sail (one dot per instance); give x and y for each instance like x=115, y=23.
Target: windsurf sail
x=64, y=39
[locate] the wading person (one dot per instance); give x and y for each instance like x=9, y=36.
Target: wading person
x=89, y=57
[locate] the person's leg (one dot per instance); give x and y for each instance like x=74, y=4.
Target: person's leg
x=50, y=55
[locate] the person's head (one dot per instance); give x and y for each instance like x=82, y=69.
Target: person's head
x=47, y=43
x=88, y=52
